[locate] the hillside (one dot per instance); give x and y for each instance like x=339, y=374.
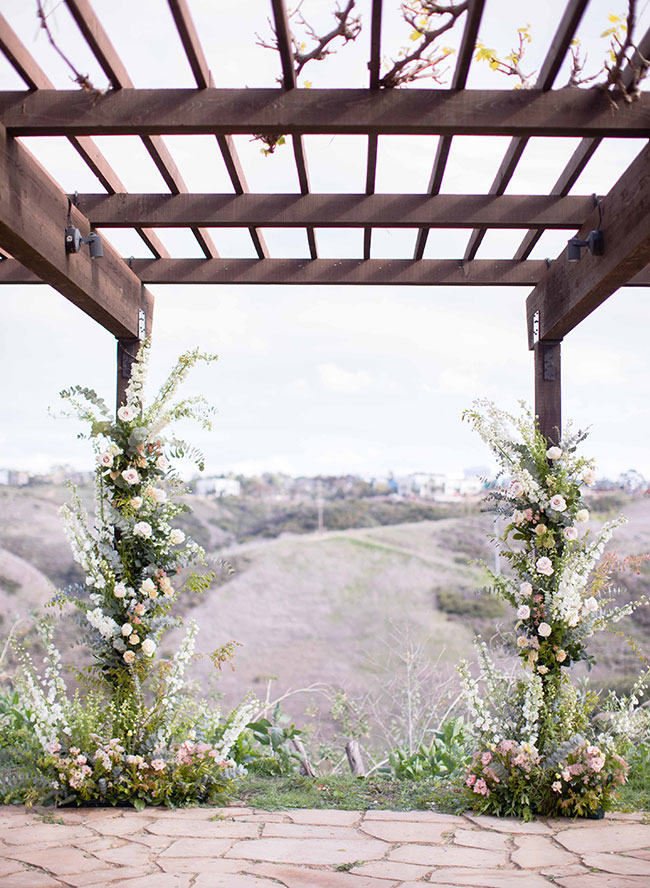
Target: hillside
x=334, y=608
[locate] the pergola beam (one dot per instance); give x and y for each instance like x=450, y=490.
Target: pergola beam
x=547, y=74
x=105, y=53
x=33, y=218
x=584, y=152
x=330, y=272
x=335, y=210
x=35, y=78
x=570, y=291
x=459, y=80
x=566, y=113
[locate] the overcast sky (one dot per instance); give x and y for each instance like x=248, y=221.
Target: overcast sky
x=323, y=379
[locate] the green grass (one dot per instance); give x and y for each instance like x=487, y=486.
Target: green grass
x=348, y=793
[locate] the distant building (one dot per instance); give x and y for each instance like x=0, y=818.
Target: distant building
x=217, y=487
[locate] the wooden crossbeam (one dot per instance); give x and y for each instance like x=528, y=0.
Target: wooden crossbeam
x=523, y=112
x=583, y=153
x=374, y=68
x=569, y=291
x=461, y=71
x=547, y=74
x=289, y=81
x=35, y=78
x=335, y=210
x=33, y=218
x=332, y=272
x=105, y=53
x=203, y=76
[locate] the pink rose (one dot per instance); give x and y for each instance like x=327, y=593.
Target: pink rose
x=544, y=566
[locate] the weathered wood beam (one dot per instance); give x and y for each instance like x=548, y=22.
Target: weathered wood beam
x=107, y=56
x=459, y=80
x=569, y=291
x=548, y=389
x=33, y=218
x=374, y=68
x=583, y=153
x=36, y=78
x=545, y=79
x=523, y=112
x=425, y=272
x=289, y=81
x=335, y=210
x=199, y=64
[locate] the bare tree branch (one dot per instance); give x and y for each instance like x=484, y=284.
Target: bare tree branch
x=82, y=79
x=624, y=54
x=422, y=62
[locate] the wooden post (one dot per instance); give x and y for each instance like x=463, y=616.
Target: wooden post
x=127, y=350
x=355, y=760
x=548, y=389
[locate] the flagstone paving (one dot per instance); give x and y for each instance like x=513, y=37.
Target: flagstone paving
x=245, y=848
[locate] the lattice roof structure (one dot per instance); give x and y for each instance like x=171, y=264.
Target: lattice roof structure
x=34, y=210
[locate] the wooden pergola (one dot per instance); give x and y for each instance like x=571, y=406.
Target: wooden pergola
x=34, y=211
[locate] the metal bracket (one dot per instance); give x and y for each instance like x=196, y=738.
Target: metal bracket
x=536, y=327
x=142, y=324
x=548, y=369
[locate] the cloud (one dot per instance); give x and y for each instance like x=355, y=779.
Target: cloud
x=335, y=379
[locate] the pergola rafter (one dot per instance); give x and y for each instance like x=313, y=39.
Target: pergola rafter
x=105, y=53
x=112, y=291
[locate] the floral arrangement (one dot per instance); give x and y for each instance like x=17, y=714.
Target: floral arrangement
x=562, y=596
x=135, y=737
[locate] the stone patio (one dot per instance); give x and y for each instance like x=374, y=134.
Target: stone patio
x=245, y=848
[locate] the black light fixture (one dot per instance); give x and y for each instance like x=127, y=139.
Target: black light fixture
x=595, y=242
x=74, y=240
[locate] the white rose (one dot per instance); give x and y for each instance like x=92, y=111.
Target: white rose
x=517, y=516
x=558, y=503
x=120, y=590
x=526, y=589
x=126, y=414
x=176, y=537
x=560, y=656
x=130, y=476
x=590, y=604
x=127, y=629
x=544, y=630
x=153, y=593
x=147, y=586
x=554, y=453
x=523, y=612
x=163, y=463
x=158, y=495
x=516, y=489
x=582, y=515
x=544, y=566
x=522, y=641
x=570, y=533
x=148, y=647
x=134, y=639
x=142, y=529
x=106, y=459
x=136, y=502
x=128, y=657
x=589, y=477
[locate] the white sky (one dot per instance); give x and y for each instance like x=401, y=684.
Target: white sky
x=323, y=379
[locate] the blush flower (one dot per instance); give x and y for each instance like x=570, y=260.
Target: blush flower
x=148, y=647
x=554, y=453
x=523, y=612
x=589, y=477
x=120, y=590
x=142, y=529
x=544, y=630
x=136, y=502
x=128, y=657
x=130, y=476
x=106, y=459
x=590, y=604
x=525, y=589
x=544, y=566
x=176, y=537
x=570, y=533
x=147, y=586
x=558, y=503
x=163, y=463
x=125, y=413
x=582, y=515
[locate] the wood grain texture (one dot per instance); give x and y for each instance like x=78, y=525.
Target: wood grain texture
x=570, y=112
